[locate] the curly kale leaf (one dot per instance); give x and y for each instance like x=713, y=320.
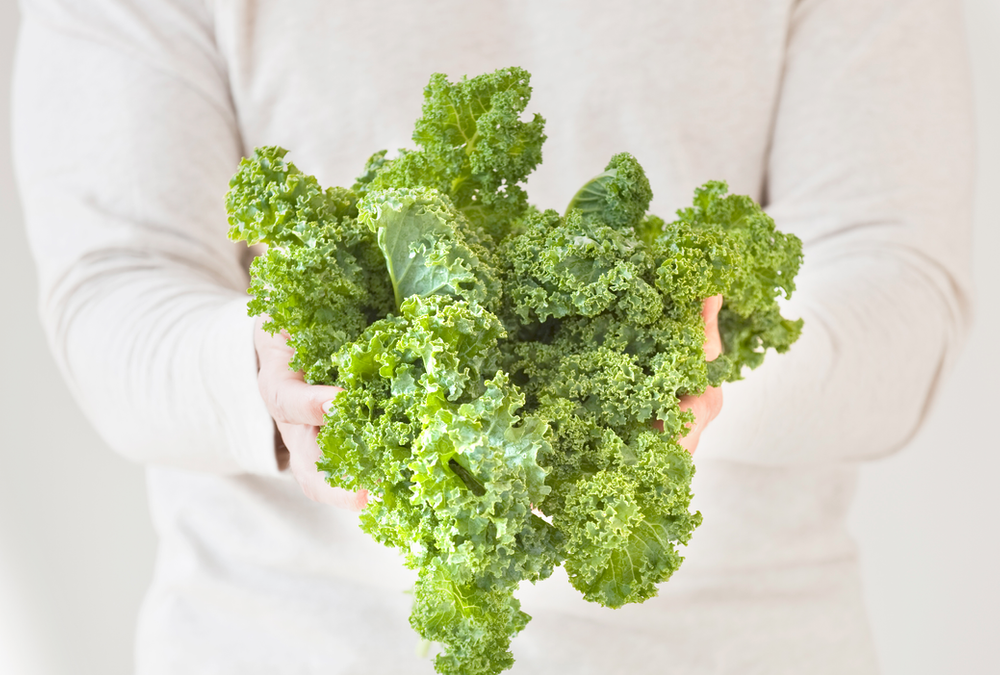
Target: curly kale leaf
x=623, y=523
x=737, y=250
x=618, y=197
x=476, y=623
x=601, y=352
x=473, y=147
x=604, y=306
x=499, y=362
x=322, y=279
x=593, y=325
x=559, y=267
x=372, y=167
x=271, y=201
x=429, y=425
x=428, y=418
x=428, y=245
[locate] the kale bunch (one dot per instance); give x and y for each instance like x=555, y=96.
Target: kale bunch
x=503, y=367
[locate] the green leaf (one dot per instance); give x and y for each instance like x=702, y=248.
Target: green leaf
x=618, y=197
x=426, y=245
x=498, y=362
x=474, y=147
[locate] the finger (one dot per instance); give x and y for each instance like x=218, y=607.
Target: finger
x=287, y=396
x=705, y=409
x=344, y=499
x=317, y=489
x=292, y=401
x=713, y=340
x=303, y=454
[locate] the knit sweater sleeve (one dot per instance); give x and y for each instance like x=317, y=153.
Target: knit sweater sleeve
x=871, y=165
x=125, y=137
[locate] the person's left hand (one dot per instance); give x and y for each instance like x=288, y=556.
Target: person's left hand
x=707, y=406
x=298, y=410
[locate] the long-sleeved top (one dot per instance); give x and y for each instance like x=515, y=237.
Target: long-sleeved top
x=849, y=120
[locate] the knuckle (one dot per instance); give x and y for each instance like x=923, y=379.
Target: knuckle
x=266, y=390
x=278, y=407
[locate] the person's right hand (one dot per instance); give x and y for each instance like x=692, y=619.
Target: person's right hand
x=297, y=409
x=707, y=405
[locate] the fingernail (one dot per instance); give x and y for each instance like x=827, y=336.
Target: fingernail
x=327, y=406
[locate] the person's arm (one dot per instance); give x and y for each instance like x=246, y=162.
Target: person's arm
x=124, y=140
x=871, y=165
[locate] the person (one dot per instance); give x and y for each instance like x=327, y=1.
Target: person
x=848, y=119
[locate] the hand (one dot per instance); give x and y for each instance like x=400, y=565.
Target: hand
x=707, y=406
x=297, y=409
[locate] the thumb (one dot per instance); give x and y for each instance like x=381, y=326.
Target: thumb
x=713, y=340
x=291, y=401
x=288, y=398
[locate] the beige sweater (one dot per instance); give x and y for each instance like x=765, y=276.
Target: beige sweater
x=848, y=119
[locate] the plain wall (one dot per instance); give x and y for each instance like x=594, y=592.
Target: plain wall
x=926, y=519
x=76, y=546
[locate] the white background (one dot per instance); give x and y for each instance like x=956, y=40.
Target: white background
x=76, y=546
